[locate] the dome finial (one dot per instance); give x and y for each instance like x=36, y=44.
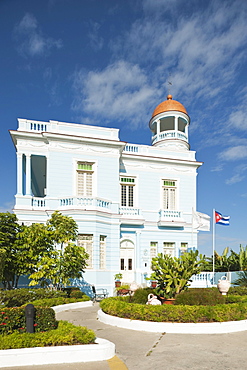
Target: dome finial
x=169, y=97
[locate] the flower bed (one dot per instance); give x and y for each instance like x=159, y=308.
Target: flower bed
x=116, y=306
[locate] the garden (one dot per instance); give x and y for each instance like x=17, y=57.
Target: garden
x=46, y=254
x=171, y=276
x=47, y=330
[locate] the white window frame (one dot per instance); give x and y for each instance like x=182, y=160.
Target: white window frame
x=86, y=241
x=129, y=182
x=184, y=247
x=102, y=252
x=153, y=251
x=169, y=248
x=170, y=188
x=85, y=172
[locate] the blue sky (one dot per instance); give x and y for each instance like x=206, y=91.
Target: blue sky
x=108, y=62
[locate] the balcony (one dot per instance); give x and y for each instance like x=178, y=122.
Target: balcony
x=171, y=134
x=171, y=218
x=131, y=216
x=84, y=203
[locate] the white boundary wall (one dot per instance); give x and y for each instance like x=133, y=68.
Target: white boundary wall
x=103, y=350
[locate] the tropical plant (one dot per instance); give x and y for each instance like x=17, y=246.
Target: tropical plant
x=242, y=279
x=118, y=276
x=173, y=273
x=228, y=261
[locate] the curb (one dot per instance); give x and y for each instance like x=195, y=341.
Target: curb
x=101, y=351
x=174, y=328
x=72, y=306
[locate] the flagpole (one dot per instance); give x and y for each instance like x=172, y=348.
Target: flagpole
x=213, y=220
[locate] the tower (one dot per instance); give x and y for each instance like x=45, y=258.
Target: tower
x=169, y=125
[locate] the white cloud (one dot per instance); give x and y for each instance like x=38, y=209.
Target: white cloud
x=7, y=206
x=31, y=41
x=120, y=91
x=238, y=176
x=234, y=153
x=202, y=50
x=235, y=179
x=96, y=41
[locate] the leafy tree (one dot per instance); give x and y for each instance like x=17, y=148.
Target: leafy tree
x=57, y=268
x=2, y=262
x=9, y=229
x=173, y=274
x=63, y=260
x=41, y=251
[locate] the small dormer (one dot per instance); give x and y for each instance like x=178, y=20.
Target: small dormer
x=169, y=125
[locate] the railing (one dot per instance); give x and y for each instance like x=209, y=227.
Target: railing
x=37, y=127
x=38, y=202
x=131, y=148
x=85, y=202
x=169, y=135
x=170, y=214
x=129, y=211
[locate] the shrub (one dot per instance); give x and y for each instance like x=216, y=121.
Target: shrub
x=65, y=334
x=18, y=297
x=13, y=319
x=200, y=296
x=141, y=295
x=238, y=290
x=50, y=302
x=172, y=313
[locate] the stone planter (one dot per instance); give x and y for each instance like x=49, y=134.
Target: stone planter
x=223, y=285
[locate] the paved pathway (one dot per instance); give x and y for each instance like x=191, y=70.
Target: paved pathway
x=145, y=351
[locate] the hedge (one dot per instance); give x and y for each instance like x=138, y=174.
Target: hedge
x=174, y=313
x=13, y=319
x=50, y=302
x=65, y=334
x=18, y=297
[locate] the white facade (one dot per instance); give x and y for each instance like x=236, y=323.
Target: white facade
x=130, y=201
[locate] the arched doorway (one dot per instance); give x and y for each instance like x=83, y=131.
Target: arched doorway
x=127, y=254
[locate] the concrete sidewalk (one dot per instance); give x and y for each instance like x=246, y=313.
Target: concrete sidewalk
x=145, y=351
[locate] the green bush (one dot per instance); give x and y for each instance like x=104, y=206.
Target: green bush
x=13, y=319
x=77, y=294
x=65, y=334
x=238, y=290
x=236, y=298
x=72, y=291
x=200, y=296
x=172, y=313
x=50, y=302
x=18, y=297
x=141, y=295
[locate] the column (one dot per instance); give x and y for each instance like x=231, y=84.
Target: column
x=187, y=132
x=28, y=174
x=158, y=129
x=19, y=173
x=176, y=125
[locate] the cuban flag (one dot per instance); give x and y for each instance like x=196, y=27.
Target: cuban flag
x=222, y=220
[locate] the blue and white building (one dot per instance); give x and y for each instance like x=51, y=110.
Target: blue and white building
x=130, y=201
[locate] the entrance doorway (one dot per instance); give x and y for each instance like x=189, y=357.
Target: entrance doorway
x=127, y=254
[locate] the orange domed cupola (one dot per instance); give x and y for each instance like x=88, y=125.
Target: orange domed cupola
x=169, y=125
x=169, y=105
